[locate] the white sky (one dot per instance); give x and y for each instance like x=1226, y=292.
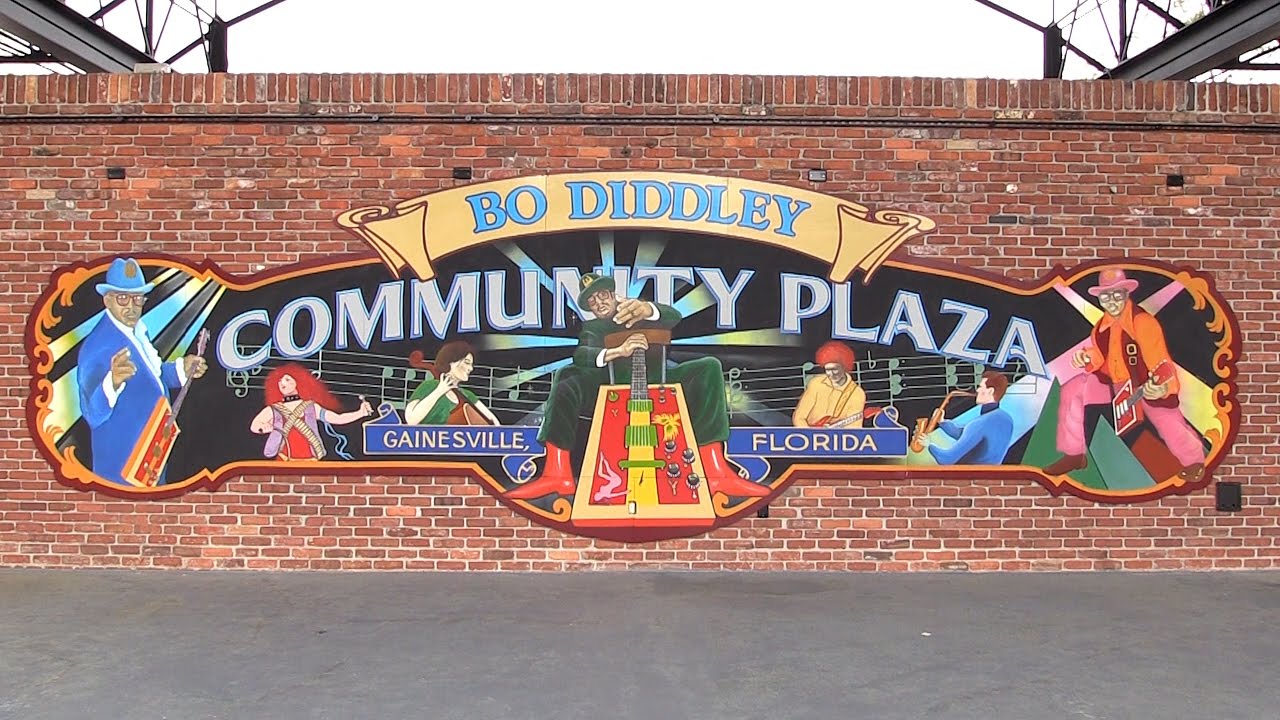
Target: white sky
x=938, y=38
x=835, y=37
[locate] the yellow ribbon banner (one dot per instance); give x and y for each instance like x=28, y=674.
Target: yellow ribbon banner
x=416, y=233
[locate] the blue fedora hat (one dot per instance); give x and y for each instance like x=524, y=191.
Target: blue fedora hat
x=124, y=275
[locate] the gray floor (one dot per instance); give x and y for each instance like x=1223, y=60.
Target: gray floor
x=87, y=644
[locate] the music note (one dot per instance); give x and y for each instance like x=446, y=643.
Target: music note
x=895, y=379
x=239, y=380
x=733, y=388
x=953, y=373
x=804, y=372
x=395, y=388
x=319, y=371
x=410, y=384
x=978, y=369
x=388, y=372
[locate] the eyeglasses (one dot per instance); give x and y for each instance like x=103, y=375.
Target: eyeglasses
x=1113, y=296
x=123, y=300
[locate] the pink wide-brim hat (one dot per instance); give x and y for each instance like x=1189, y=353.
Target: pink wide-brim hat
x=1113, y=279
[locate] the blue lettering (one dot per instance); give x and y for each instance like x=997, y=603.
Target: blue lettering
x=642, y=188
x=616, y=196
x=754, y=205
x=539, y=204
x=717, y=202
x=678, y=191
x=787, y=214
x=576, y=199
x=486, y=211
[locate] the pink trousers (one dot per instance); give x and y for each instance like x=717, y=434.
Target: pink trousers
x=1086, y=389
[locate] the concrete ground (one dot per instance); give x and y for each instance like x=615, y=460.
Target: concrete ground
x=190, y=646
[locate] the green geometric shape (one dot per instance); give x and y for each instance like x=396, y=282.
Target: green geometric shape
x=1089, y=476
x=1115, y=461
x=1042, y=448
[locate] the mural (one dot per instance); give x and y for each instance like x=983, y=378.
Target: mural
x=632, y=356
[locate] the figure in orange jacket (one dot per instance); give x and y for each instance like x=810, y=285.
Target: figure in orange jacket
x=1126, y=344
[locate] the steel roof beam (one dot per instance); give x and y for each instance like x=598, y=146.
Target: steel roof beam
x=1209, y=43
x=69, y=36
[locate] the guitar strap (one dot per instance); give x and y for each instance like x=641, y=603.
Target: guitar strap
x=845, y=396
x=294, y=420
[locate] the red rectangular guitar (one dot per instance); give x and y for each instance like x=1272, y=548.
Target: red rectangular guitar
x=1126, y=408
x=150, y=455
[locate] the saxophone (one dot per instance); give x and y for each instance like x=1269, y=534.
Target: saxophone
x=924, y=426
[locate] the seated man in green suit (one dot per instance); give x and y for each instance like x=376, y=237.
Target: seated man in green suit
x=576, y=386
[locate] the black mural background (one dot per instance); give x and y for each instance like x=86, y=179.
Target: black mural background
x=216, y=417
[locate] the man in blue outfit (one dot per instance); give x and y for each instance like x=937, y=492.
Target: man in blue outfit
x=120, y=375
x=985, y=439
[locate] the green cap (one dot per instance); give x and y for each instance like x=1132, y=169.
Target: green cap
x=592, y=284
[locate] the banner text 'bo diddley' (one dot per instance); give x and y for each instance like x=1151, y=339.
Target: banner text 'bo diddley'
x=415, y=233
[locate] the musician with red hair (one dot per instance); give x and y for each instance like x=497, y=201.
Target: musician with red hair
x=833, y=399
x=297, y=402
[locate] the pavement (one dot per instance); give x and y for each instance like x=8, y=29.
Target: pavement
x=630, y=644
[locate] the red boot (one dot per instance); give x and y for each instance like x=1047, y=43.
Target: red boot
x=557, y=477
x=721, y=476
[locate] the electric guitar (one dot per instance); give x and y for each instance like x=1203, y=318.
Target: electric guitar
x=641, y=467
x=641, y=439
x=831, y=423
x=147, y=461
x=1126, y=408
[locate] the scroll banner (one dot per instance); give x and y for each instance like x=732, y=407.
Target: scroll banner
x=416, y=233
x=517, y=446
x=751, y=448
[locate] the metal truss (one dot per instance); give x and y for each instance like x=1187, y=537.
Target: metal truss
x=116, y=35
x=1157, y=39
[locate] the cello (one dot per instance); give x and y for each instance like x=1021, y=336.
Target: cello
x=465, y=412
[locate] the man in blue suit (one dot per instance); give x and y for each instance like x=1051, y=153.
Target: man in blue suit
x=985, y=439
x=120, y=374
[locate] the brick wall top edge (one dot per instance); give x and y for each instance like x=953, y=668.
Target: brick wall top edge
x=648, y=94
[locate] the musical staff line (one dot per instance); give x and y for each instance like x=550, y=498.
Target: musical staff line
x=520, y=392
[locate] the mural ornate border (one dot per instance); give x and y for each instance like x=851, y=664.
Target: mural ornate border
x=410, y=241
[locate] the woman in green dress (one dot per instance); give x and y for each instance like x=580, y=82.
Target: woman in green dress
x=441, y=400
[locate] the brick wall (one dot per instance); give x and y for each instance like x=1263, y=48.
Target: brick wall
x=252, y=170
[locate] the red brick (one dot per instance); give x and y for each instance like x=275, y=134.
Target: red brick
x=1222, y=220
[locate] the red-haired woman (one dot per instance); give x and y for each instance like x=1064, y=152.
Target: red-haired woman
x=440, y=400
x=296, y=402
